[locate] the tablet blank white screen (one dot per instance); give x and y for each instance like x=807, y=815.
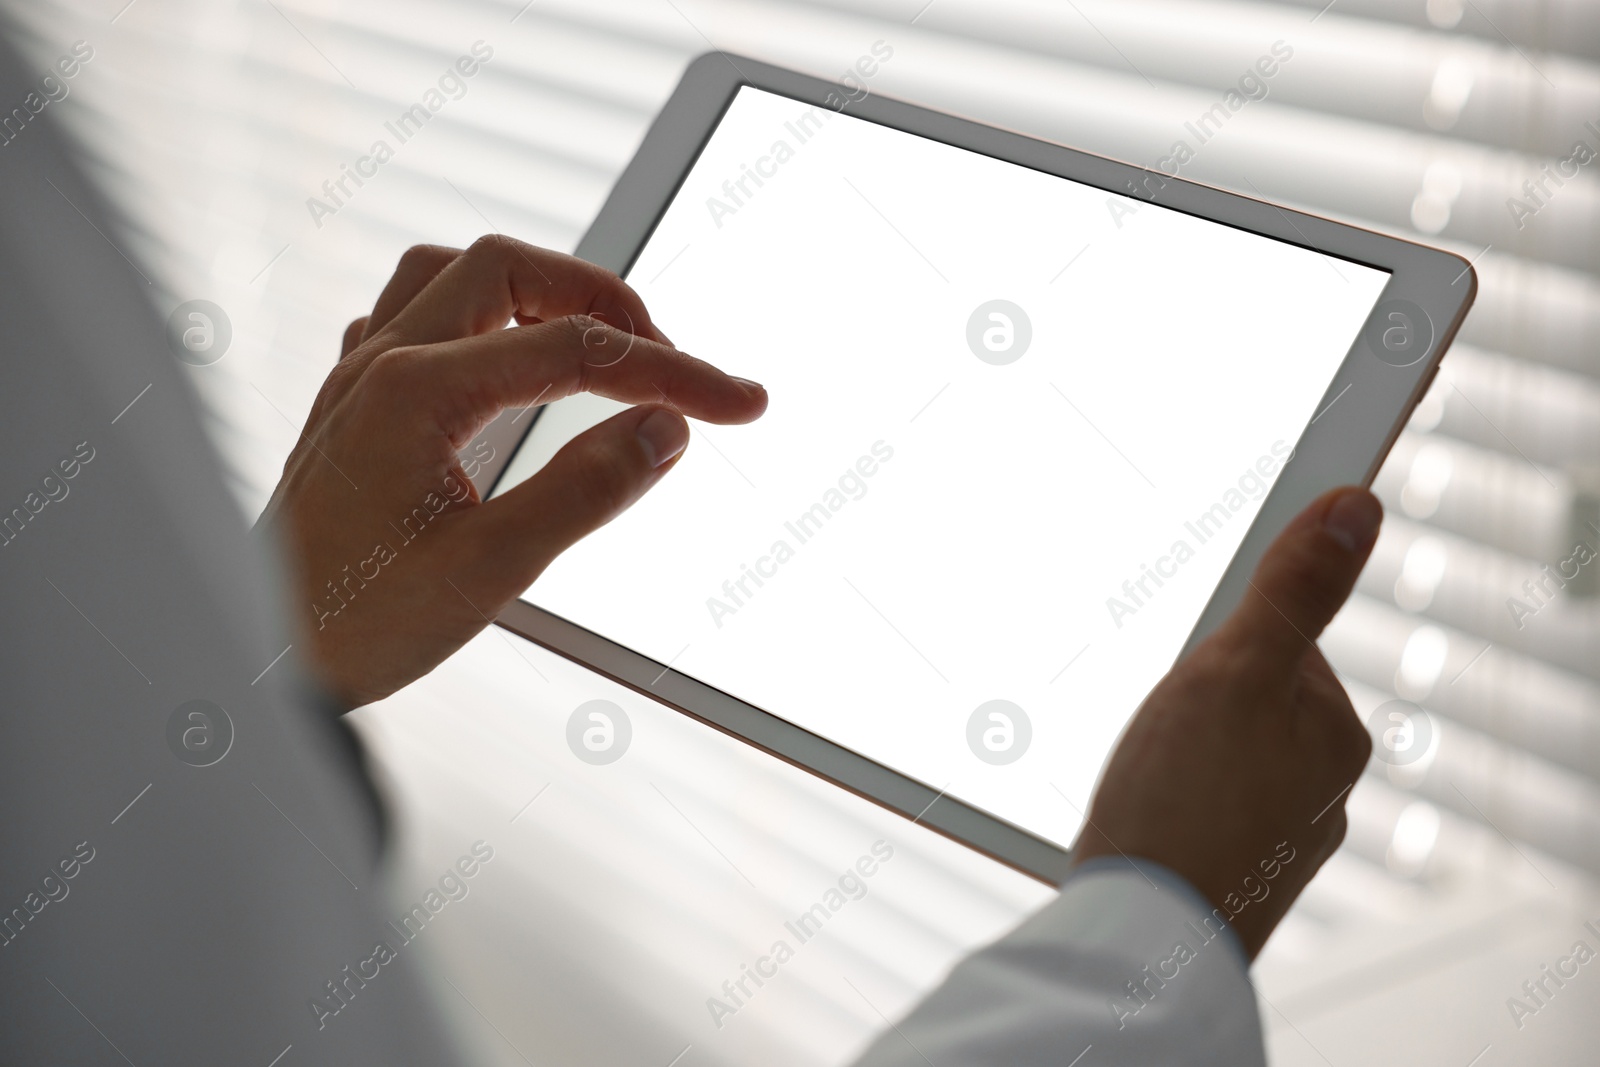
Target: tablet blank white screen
x=969, y=524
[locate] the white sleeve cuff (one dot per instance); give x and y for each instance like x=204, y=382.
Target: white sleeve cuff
x=1129, y=960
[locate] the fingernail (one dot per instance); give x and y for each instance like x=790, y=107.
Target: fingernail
x=1353, y=521
x=663, y=435
x=749, y=386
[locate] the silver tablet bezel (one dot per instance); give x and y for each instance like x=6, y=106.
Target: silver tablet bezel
x=1361, y=414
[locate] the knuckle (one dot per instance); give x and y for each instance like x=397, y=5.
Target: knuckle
x=422, y=257
x=613, y=297
x=587, y=331
x=491, y=246
x=1220, y=661
x=1344, y=739
x=390, y=368
x=1200, y=675
x=1357, y=743
x=580, y=324
x=598, y=278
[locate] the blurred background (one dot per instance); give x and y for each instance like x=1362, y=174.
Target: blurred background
x=623, y=896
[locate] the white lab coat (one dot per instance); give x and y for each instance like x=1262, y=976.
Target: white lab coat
x=1122, y=968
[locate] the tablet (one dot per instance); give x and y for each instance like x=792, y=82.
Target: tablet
x=1035, y=414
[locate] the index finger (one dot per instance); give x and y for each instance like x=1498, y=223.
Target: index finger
x=500, y=278
x=467, y=382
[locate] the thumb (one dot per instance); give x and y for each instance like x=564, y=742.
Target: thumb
x=1304, y=578
x=593, y=478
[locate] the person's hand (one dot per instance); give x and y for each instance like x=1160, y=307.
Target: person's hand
x=396, y=562
x=1235, y=770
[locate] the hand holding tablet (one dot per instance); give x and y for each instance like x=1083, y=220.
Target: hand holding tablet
x=396, y=563
x=1235, y=769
